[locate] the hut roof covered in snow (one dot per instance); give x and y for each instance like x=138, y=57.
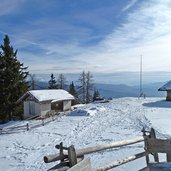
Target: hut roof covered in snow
x=165, y=87
x=48, y=95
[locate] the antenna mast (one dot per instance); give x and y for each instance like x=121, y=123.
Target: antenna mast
x=141, y=93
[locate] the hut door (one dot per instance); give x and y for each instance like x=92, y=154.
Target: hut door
x=31, y=108
x=57, y=106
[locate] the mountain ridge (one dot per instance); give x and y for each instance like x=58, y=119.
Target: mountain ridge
x=120, y=90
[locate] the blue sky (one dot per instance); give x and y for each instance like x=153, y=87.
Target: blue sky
x=102, y=36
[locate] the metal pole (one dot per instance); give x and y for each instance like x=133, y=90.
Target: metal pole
x=140, y=75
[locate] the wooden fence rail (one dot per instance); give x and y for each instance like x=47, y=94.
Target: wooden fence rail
x=97, y=148
x=70, y=157
x=26, y=126
x=73, y=160
x=88, y=150
x=120, y=162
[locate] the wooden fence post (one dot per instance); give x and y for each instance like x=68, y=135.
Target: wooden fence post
x=61, y=150
x=72, y=156
x=145, y=145
x=27, y=127
x=53, y=118
x=153, y=135
x=43, y=122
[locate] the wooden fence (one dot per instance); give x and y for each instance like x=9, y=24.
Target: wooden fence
x=74, y=160
x=27, y=126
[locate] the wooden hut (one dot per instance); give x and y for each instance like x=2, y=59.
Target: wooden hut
x=166, y=87
x=40, y=102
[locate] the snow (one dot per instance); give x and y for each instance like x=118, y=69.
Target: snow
x=87, y=125
x=86, y=112
x=50, y=95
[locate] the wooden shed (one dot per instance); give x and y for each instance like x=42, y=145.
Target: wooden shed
x=40, y=102
x=166, y=87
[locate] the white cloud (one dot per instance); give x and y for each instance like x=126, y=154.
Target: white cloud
x=8, y=6
x=146, y=31
x=132, y=3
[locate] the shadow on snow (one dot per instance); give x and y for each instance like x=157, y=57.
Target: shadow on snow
x=159, y=104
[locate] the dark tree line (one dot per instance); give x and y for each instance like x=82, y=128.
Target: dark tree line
x=13, y=82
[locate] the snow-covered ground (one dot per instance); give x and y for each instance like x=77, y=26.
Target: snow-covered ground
x=87, y=125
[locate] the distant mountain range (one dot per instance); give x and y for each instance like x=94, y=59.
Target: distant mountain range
x=120, y=90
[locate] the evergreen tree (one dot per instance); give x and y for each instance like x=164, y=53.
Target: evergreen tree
x=96, y=95
x=61, y=81
x=13, y=82
x=72, y=89
x=52, y=82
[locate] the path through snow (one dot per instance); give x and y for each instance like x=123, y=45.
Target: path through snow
x=87, y=125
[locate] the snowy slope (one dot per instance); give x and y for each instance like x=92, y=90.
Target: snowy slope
x=87, y=125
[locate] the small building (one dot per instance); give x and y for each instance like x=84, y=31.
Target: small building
x=40, y=102
x=166, y=87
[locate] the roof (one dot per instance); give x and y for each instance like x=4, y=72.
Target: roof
x=165, y=87
x=48, y=95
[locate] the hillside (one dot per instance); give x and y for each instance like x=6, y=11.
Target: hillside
x=87, y=125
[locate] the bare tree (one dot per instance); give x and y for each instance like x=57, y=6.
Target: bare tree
x=89, y=87
x=85, y=89
x=32, y=81
x=61, y=81
x=82, y=87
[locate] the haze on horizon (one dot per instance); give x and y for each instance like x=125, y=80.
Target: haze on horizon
x=63, y=36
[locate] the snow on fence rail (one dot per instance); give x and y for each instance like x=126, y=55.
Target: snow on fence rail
x=71, y=157
x=123, y=161
x=88, y=150
x=73, y=160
